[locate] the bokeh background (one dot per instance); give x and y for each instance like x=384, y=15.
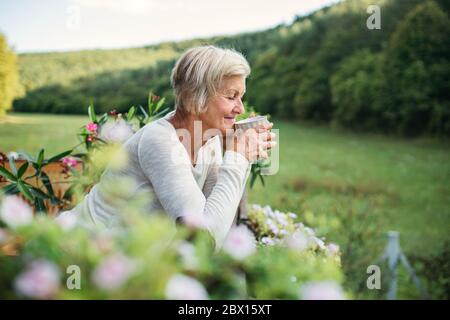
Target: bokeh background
x=363, y=114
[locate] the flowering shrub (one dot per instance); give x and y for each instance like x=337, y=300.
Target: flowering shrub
x=274, y=227
x=148, y=257
x=104, y=132
x=32, y=179
x=144, y=255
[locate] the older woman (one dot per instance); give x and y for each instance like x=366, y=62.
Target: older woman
x=190, y=160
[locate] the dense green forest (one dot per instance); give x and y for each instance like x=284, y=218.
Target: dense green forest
x=326, y=66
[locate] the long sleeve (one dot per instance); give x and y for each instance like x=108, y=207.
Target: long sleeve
x=211, y=180
x=166, y=164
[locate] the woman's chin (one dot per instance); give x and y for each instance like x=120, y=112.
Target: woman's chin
x=227, y=128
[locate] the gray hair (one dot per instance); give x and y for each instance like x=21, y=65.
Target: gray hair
x=198, y=74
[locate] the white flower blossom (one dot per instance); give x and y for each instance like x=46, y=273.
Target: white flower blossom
x=274, y=229
x=181, y=287
x=40, y=280
x=117, y=131
x=267, y=241
x=13, y=155
x=297, y=241
x=332, y=250
x=316, y=242
x=324, y=290
x=309, y=231
x=15, y=212
x=67, y=221
x=113, y=272
x=240, y=243
x=283, y=222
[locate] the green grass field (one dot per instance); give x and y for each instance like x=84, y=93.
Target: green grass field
x=323, y=173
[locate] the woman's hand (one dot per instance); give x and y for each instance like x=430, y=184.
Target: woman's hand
x=253, y=143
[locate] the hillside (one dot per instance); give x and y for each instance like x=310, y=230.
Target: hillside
x=326, y=66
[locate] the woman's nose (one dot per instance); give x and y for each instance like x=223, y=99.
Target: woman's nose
x=239, y=108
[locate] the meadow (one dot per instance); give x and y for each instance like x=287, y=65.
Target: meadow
x=352, y=187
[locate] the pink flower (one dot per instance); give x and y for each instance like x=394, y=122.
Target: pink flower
x=40, y=280
x=69, y=161
x=181, y=287
x=15, y=212
x=240, y=243
x=92, y=127
x=324, y=290
x=113, y=272
x=90, y=138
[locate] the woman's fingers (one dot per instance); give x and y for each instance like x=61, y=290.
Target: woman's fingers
x=267, y=136
x=268, y=145
x=263, y=154
x=264, y=127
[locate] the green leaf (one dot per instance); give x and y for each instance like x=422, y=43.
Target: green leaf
x=23, y=168
x=161, y=112
x=131, y=113
x=262, y=180
x=91, y=112
x=46, y=181
x=24, y=189
x=150, y=103
x=60, y=156
x=103, y=118
x=54, y=200
x=10, y=188
x=159, y=104
x=40, y=157
x=253, y=179
x=35, y=166
x=12, y=165
x=38, y=193
x=69, y=192
x=79, y=155
x=8, y=175
x=143, y=111
x=39, y=205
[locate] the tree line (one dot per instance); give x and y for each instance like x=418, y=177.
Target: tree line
x=326, y=66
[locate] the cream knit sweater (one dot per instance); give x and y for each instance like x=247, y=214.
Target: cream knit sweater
x=160, y=165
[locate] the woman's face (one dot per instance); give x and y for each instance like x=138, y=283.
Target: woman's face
x=223, y=108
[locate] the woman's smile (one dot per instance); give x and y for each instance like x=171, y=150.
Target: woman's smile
x=230, y=120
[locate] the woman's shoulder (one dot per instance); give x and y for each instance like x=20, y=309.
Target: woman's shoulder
x=159, y=132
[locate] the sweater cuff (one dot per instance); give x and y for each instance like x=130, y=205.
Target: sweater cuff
x=232, y=157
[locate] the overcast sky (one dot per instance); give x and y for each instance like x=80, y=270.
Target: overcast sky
x=48, y=25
